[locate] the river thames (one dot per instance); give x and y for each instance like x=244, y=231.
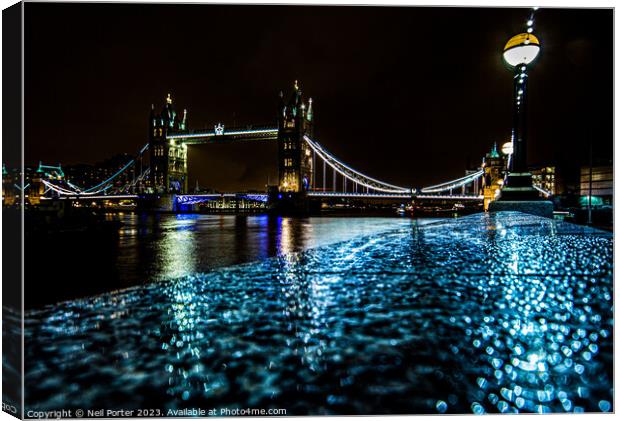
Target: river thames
x=484, y=313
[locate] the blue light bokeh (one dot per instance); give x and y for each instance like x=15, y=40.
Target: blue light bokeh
x=487, y=313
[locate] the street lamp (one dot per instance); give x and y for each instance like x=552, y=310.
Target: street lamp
x=507, y=148
x=521, y=49
x=519, y=52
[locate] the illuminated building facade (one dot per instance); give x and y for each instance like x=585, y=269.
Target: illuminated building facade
x=602, y=185
x=545, y=179
x=82, y=174
x=9, y=196
x=168, y=158
x=35, y=187
x=11, y=187
x=295, y=120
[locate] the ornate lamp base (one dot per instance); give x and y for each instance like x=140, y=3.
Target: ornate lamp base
x=519, y=187
x=519, y=195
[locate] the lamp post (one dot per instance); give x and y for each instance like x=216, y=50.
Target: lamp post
x=518, y=192
x=519, y=52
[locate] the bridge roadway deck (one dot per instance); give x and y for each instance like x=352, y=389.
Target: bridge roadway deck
x=321, y=194
x=263, y=196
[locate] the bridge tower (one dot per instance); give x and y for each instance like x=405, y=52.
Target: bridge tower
x=295, y=120
x=493, y=179
x=168, y=158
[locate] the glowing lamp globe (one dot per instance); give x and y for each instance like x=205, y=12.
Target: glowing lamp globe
x=507, y=148
x=521, y=49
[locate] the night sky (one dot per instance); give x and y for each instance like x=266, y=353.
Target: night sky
x=409, y=95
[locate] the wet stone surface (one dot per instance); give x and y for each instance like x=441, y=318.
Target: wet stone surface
x=487, y=313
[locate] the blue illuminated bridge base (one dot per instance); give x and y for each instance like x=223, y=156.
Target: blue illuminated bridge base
x=192, y=199
x=501, y=312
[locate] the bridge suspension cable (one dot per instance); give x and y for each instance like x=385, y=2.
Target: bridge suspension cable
x=63, y=191
x=453, y=184
x=112, y=177
x=351, y=174
x=102, y=186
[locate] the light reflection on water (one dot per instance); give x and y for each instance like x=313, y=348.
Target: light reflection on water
x=184, y=244
x=481, y=314
x=148, y=248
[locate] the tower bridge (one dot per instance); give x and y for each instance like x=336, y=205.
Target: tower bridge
x=307, y=171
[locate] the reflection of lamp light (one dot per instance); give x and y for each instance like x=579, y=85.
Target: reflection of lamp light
x=286, y=239
x=177, y=250
x=507, y=148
